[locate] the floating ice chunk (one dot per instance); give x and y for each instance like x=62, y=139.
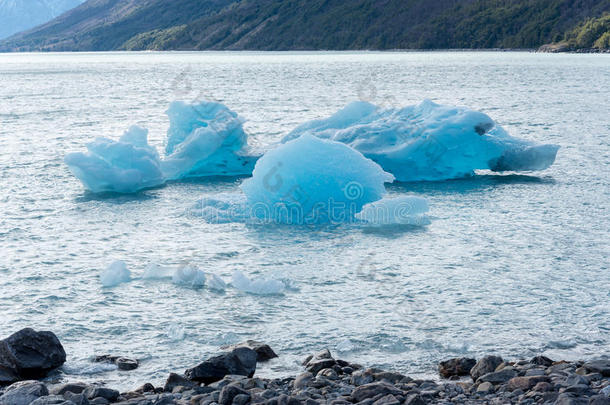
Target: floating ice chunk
x=123, y=166
x=345, y=345
x=405, y=210
x=189, y=275
x=205, y=139
x=428, y=141
x=216, y=283
x=156, y=271
x=115, y=274
x=258, y=286
x=175, y=332
x=312, y=180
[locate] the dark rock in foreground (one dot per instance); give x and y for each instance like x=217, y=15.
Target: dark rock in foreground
x=330, y=381
x=28, y=354
x=123, y=363
x=239, y=361
x=456, y=367
x=263, y=350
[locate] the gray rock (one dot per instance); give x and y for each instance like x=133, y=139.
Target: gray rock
x=75, y=388
x=100, y=401
x=373, y=389
x=76, y=399
x=148, y=387
x=328, y=373
x=361, y=377
x=578, y=389
x=498, y=377
x=484, y=366
x=264, y=351
x=456, y=367
x=240, y=361
x=49, y=400
x=315, y=365
x=241, y=399
x=28, y=354
x=101, y=392
x=566, y=399
x=542, y=361
x=415, y=399
x=303, y=380
x=229, y=392
x=387, y=400
x=392, y=377
x=599, y=366
x=525, y=383
x=576, y=379
x=174, y=380
x=23, y=393
x=599, y=400
x=283, y=400
x=485, y=388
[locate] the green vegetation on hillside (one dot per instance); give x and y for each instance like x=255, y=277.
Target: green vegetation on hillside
x=330, y=24
x=593, y=33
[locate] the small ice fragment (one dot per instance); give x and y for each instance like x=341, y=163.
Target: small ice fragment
x=345, y=345
x=189, y=275
x=258, y=286
x=115, y=274
x=405, y=210
x=216, y=283
x=156, y=271
x=175, y=332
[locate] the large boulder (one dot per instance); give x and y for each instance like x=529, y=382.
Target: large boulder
x=456, y=367
x=599, y=366
x=263, y=350
x=28, y=354
x=486, y=365
x=23, y=393
x=239, y=361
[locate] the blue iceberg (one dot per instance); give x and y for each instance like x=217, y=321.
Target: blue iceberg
x=421, y=142
x=429, y=141
x=122, y=166
x=313, y=180
x=404, y=210
x=205, y=139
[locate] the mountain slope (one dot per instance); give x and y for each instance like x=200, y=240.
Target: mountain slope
x=100, y=25
x=309, y=24
x=20, y=15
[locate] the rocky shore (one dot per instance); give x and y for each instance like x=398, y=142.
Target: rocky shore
x=229, y=379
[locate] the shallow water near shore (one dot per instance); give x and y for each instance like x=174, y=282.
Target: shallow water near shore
x=515, y=264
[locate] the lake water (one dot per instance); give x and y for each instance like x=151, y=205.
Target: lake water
x=513, y=264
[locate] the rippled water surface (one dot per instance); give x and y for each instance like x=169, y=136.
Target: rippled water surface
x=515, y=264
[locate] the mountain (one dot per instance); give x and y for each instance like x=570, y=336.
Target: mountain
x=310, y=24
x=20, y=15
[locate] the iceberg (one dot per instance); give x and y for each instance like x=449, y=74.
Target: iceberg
x=115, y=274
x=405, y=210
x=311, y=180
x=258, y=286
x=189, y=276
x=124, y=166
x=205, y=139
x=216, y=283
x=155, y=271
x=429, y=141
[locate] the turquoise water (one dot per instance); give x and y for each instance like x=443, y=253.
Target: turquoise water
x=514, y=264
